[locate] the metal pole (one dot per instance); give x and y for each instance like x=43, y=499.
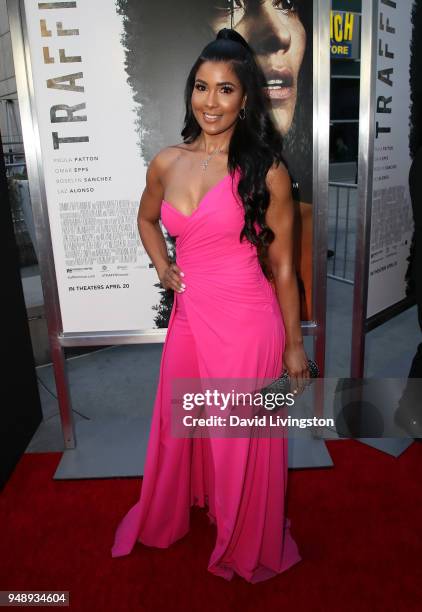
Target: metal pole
x=321, y=127
x=336, y=229
x=366, y=150
x=31, y=139
x=346, y=233
x=321, y=139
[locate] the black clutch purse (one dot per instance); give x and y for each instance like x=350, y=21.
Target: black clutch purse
x=282, y=384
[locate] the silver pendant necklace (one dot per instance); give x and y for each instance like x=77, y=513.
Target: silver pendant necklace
x=204, y=164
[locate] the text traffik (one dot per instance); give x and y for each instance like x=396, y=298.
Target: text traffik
x=70, y=81
x=385, y=75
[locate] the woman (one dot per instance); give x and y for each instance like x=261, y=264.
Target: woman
x=226, y=196
x=275, y=31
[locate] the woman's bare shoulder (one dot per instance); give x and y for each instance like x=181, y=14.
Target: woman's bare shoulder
x=167, y=156
x=172, y=151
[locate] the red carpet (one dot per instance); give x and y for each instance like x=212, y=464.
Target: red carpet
x=358, y=527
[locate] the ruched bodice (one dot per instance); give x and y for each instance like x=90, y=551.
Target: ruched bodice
x=208, y=249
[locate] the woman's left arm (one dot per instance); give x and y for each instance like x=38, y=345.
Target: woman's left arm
x=280, y=218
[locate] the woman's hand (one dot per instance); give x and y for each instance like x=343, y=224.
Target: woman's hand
x=295, y=362
x=171, y=278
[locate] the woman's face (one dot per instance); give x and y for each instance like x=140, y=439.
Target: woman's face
x=276, y=34
x=217, y=97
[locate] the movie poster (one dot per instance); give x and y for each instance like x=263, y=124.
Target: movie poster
x=108, y=82
x=391, y=217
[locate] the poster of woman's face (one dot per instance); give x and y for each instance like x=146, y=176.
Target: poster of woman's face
x=276, y=33
x=162, y=41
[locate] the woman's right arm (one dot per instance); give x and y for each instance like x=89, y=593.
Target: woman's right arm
x=150, y=232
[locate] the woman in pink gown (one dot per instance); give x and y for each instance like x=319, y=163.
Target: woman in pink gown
x=228, y=320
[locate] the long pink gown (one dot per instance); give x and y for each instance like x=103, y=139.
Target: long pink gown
x=237, y=331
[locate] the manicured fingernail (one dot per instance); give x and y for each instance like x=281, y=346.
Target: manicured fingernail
x=182, y=273
x=183, y=285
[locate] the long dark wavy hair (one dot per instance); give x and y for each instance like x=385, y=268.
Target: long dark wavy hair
x=255, y=145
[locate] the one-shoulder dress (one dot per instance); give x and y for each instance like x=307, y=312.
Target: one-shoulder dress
x=226, y=324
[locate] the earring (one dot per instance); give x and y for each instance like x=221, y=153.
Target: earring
x=242, y=115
